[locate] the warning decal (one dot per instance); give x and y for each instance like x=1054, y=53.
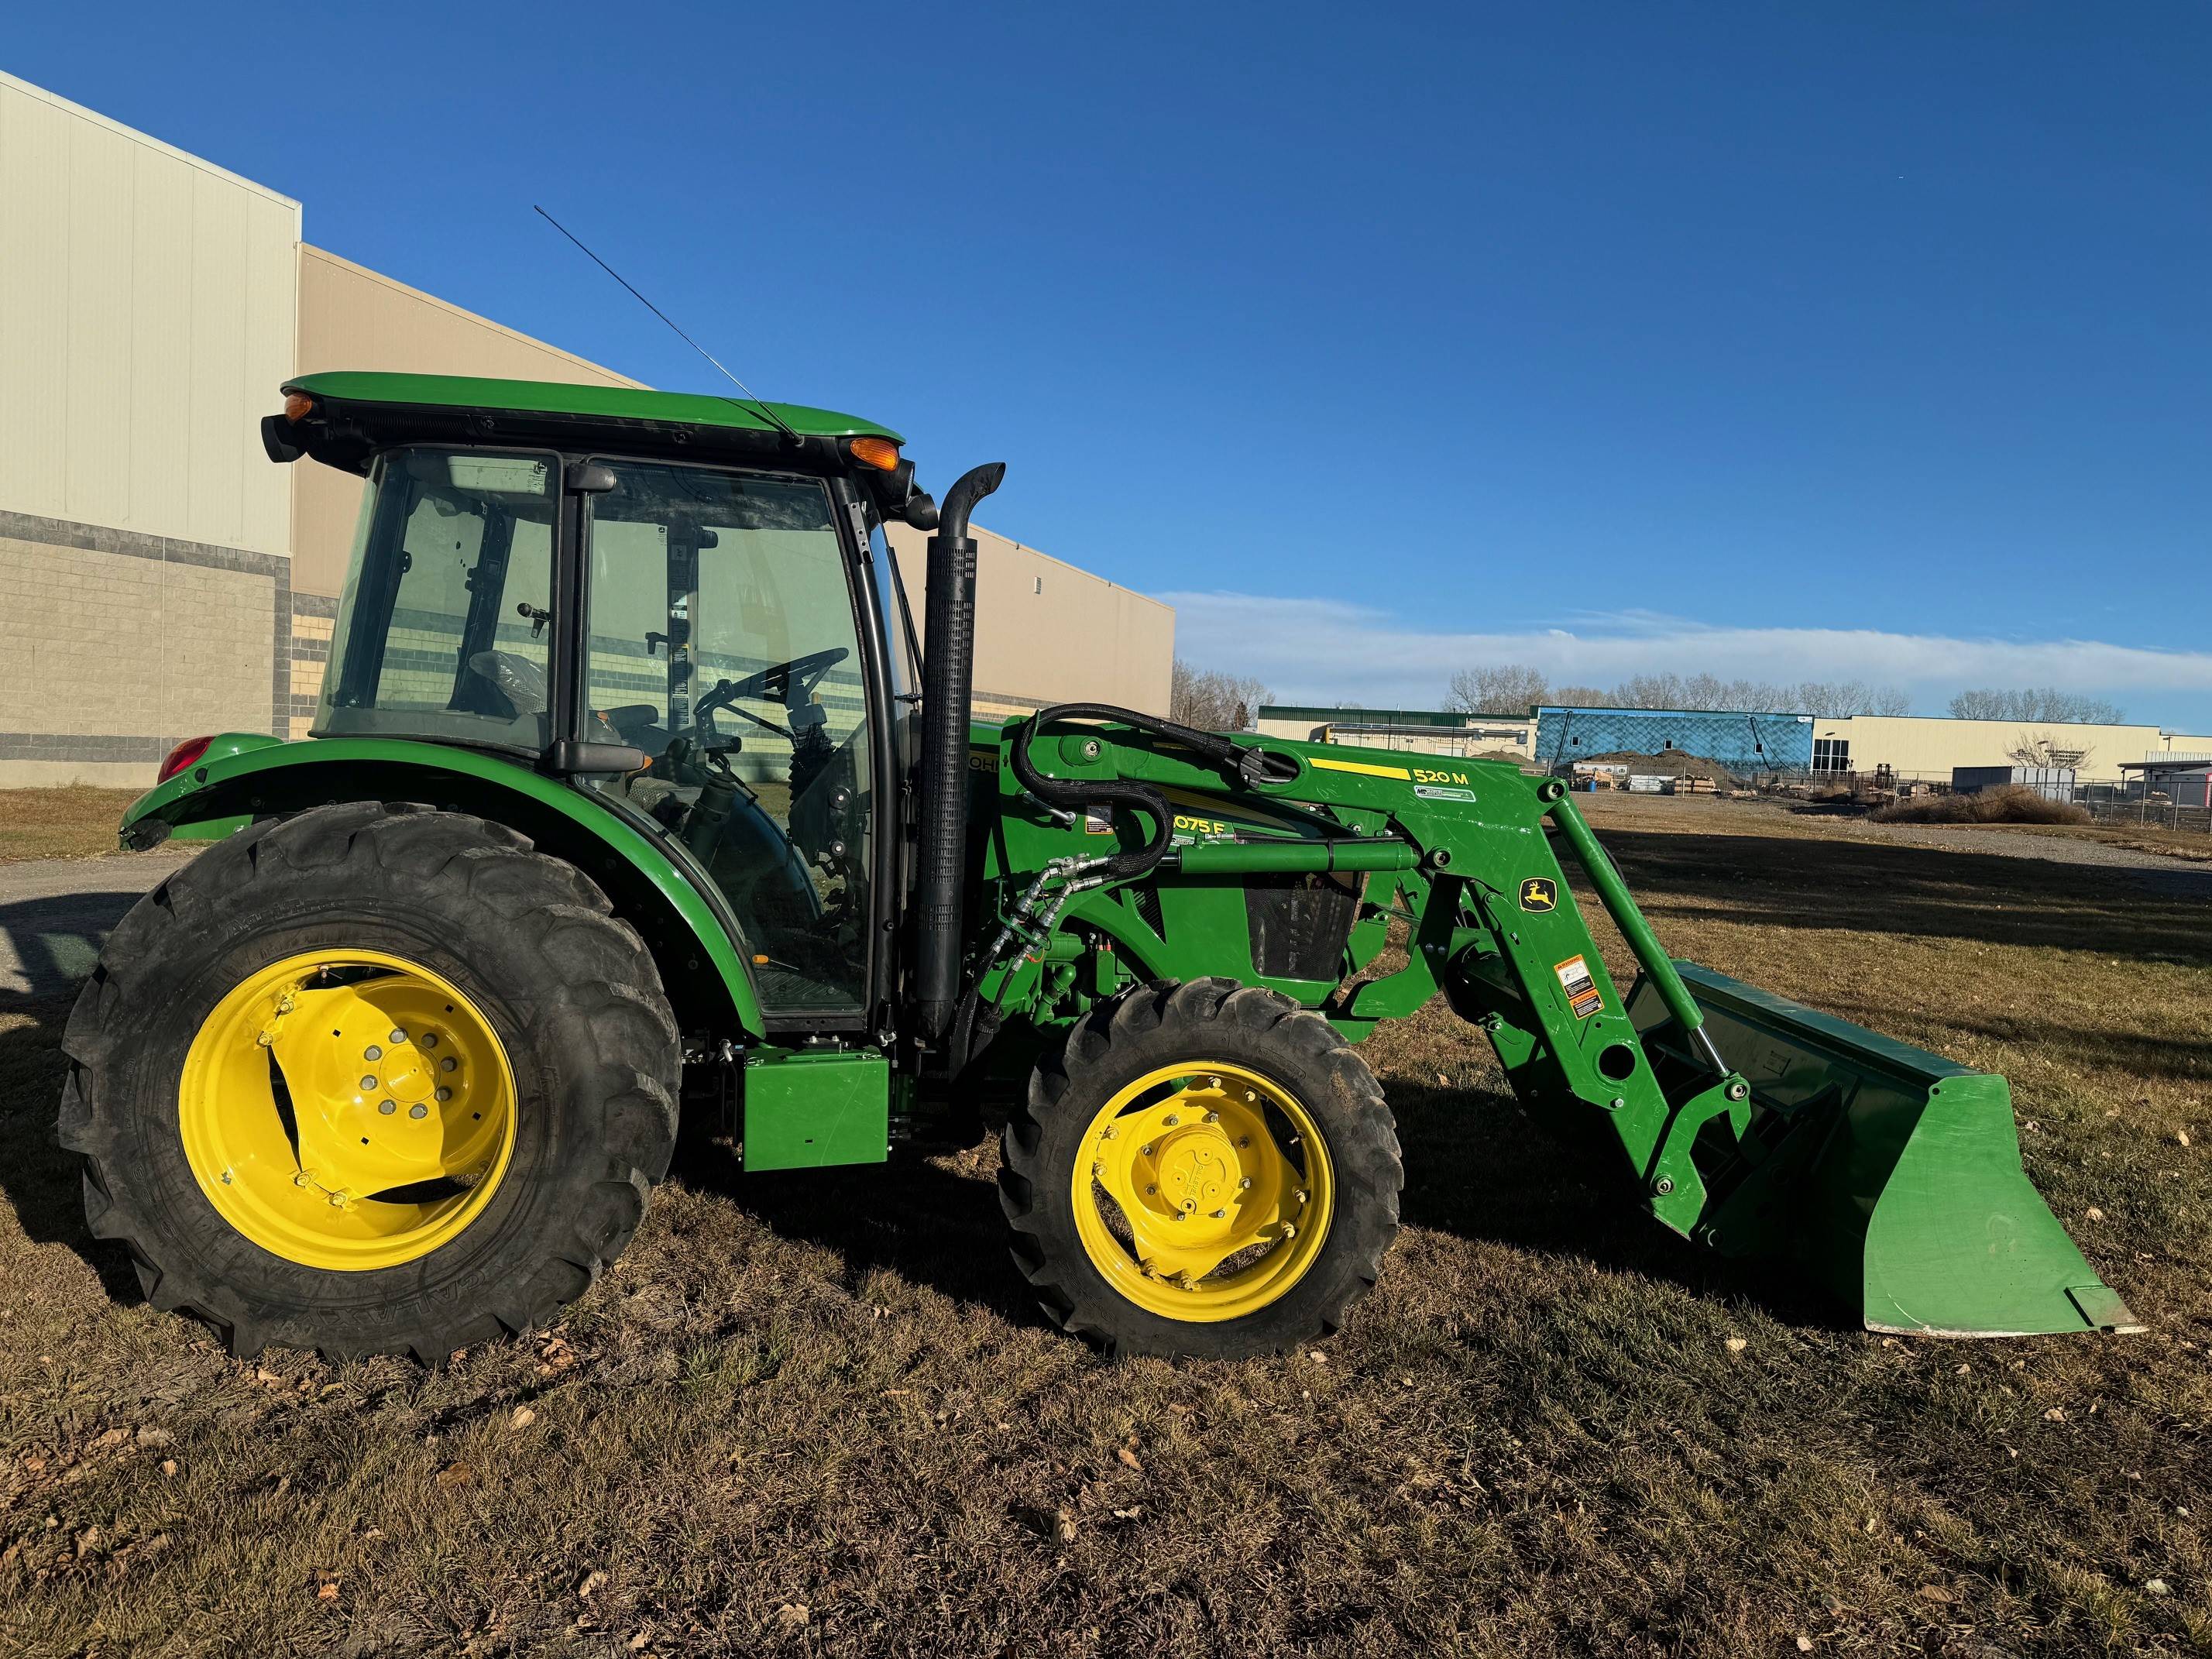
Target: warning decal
x=1098, y=820
x=1582, y=991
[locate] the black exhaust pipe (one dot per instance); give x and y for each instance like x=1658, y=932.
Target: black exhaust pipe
x=948, y=684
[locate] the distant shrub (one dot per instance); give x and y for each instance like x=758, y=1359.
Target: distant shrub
x=2008, y=804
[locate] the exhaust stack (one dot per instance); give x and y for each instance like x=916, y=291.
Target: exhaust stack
x=948, y=683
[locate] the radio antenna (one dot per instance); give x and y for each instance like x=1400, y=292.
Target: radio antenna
x=769, y=415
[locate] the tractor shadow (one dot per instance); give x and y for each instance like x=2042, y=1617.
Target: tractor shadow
x=53, y=941
x=1478, y=1168
x=932, y=1220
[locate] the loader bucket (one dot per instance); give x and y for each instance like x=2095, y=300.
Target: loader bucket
x=1891, y=1174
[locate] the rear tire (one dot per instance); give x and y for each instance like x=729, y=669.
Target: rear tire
x=1224, y=1045
x=566, y=991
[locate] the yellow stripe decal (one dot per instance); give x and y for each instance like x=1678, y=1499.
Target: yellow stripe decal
x=1362, y=768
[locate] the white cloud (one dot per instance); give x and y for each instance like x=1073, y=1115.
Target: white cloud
x=1323, y=650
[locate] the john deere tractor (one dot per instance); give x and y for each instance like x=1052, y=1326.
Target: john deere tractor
x=633, y=793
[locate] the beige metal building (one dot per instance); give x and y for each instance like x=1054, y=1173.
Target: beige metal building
x=1915, y=746
x=1042, y=627
x=160, y=578
x=1416, y=731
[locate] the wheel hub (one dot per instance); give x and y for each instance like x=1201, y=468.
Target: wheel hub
x=1222, y=1182
x=347, y=1110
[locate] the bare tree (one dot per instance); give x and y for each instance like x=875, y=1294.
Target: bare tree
x=1212, y=701
x=1580, y=696
x=2035, y=702
x=1510, y=688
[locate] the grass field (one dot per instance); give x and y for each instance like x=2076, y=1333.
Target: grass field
x=74, y=821
x=815, y=1413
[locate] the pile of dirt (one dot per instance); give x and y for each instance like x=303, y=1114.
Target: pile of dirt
x=2010, y=804
x=1667, y=763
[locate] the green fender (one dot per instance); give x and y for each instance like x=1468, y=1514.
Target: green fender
x=243, y=776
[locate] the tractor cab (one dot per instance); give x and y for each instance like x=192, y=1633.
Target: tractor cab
x=686, y=618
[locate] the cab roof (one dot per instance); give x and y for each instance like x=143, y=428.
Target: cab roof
x=590, y=402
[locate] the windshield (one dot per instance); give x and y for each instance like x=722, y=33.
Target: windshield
x=441, y=630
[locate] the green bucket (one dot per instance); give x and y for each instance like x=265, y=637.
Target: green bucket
x=1892, y=1174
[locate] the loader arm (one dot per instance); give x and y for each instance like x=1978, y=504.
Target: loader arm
x=1725, y=1142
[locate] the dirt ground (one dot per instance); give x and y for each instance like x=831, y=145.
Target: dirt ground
x=816, y=1414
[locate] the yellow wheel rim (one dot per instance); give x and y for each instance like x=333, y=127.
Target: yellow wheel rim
x=347, y=1110
x=1203, y=1192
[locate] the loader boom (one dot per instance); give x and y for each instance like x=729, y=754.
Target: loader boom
x=1466, y=855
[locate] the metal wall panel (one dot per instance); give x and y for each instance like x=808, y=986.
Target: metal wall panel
x=352, y=318
x=147, y=312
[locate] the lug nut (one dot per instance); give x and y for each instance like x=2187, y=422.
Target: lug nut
x=1214, y=1117
x=398, y=1036
x=1243, y=1140
x=447, y=1064
x=372, y=1053
x=429, y=1039
x=418, y=1109
x=1218, y=1214
x=1151, y=1192
x=444, y=1094
x=1172, y=1120
x=1245, y=1185
x=368, y=1083
x=387, y=1106
x=1146, y=1150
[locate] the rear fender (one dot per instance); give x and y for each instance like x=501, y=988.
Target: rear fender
x=696, y=951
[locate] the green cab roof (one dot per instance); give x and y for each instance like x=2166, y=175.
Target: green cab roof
x=610, y=403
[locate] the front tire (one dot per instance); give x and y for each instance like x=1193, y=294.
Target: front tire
x=371, y=1079
x=1205, y=1169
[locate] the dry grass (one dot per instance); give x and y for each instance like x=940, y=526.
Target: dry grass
x=2012, y=804
x=826, y=1392
x=71, y=821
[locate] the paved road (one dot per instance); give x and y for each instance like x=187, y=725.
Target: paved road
x=55, y=912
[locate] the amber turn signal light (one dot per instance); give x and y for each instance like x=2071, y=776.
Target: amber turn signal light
x=298, y=405
x=879, y=452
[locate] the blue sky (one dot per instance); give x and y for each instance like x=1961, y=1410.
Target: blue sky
x=1822, y=341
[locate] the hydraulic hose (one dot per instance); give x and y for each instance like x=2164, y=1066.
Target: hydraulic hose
x=1250, y=764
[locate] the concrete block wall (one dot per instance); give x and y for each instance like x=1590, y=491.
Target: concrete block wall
x=116, y=645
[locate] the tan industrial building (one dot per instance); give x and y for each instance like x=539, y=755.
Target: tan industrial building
x=1415, y=731
x=1929, y=748
x=161, y=578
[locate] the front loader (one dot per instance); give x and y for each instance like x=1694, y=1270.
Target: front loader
x=620, y=802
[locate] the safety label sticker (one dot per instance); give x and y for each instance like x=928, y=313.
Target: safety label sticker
x=1540, y=893
x=1097, y=820
x=1582, y=990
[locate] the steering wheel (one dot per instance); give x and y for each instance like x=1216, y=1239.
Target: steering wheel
x=774, y=683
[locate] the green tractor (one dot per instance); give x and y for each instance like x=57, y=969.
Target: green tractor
x=632, y=790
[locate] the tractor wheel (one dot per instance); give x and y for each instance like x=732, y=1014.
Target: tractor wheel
x=1205, y=1169
x=371, y=1079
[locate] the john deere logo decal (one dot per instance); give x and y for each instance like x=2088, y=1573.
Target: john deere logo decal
x=1540, y=893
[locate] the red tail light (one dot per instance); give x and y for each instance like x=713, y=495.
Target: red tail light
x=183, y=756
